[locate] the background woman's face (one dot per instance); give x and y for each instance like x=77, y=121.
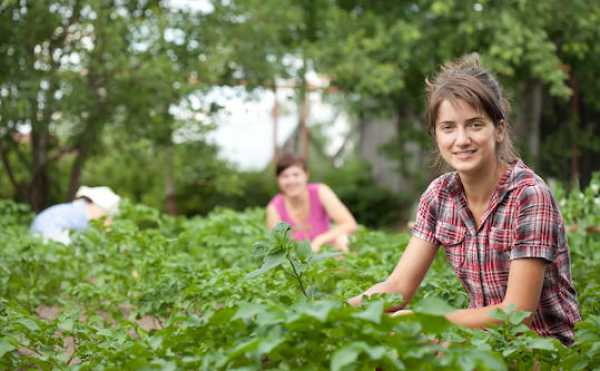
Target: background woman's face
x=292, y=181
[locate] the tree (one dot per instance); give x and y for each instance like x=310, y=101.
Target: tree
x=63, y=70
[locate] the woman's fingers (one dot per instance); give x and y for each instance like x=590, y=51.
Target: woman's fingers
x=402, y=312
x=355, y=301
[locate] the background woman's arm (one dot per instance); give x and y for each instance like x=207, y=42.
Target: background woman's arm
x=272, y=217
x=338, y=212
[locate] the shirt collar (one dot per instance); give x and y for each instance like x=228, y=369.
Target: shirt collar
x=516, y=175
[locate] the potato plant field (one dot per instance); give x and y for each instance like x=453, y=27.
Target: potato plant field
x=154, y=292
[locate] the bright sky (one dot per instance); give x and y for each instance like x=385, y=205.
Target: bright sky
x=244, y=130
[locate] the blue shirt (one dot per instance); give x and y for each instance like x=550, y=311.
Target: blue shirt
x=60, y=218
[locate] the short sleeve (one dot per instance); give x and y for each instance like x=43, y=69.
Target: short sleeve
x=426, y=218
x=539, y=229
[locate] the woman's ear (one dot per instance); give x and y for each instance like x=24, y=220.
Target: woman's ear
x=500, y=131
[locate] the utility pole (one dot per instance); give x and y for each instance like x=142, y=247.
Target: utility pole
x=275, y=117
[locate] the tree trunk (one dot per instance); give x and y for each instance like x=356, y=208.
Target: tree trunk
x=528, y=122
x=76, y=170
x=170, y=187
x=40, y=183
x=574, y=123
x=303, y=114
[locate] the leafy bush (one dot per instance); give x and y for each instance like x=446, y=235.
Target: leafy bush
x=156, y=292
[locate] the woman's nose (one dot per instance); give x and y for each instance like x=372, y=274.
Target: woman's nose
x=462, y=136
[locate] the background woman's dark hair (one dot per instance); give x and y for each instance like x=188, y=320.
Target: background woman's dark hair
x=286, y=160
x=465, y=79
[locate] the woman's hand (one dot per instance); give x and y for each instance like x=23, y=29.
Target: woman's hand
x=356, y=300
x=402, y=312
x=316, y=244
x=378, y=288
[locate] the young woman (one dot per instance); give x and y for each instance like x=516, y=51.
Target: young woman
x=500, y=226
x=308, y=207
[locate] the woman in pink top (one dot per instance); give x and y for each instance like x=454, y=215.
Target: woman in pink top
x=308, y=207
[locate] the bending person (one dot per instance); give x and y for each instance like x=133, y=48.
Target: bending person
x=500, y=226
x=55, y=222
x=308, y=207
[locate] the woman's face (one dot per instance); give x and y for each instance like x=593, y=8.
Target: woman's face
x=292, y=181
x=466, y=137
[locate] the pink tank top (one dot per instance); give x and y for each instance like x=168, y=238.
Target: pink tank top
x=318, y=220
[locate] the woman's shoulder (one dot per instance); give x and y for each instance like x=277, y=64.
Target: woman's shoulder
x=527, y=182
x=316, y=186
x=276, y=201
x=320, y=189
x=443, y=184
x=441, y=191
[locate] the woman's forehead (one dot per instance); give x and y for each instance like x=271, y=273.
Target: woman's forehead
x=292, y=169
x=450, y=108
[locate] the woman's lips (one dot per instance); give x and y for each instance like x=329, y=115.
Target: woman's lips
x=465, y=154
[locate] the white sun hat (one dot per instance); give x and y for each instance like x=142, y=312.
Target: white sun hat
x=104, y=197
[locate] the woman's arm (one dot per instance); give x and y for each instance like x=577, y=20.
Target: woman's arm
x=272, y=217
x=338, y=212
x=525, y=282
x=408, y=274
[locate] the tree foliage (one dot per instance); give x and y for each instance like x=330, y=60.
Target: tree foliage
x=76, y=72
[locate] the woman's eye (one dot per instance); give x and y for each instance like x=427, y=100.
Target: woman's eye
x=445, y=127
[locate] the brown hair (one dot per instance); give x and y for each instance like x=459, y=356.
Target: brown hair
x=465, y=79
x=286, y=160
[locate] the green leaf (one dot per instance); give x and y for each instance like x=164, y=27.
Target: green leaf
x=244, y=347
x=281, y=232
x=272, y=341
x=518, y=317
x=155, y=342
x=319, y=310
x=249, y=311
x=541, y=344
x=486, y=360
x=344, y=357
x=303, y=251
x=5, y=347
x=434, y=306
x=270, y=262
x=498, y=314
x=29, y=324
x=325, y=255
x=373, y=312
x=376, y=352
x=507, y=352
x=66, y=325
x=222, y=316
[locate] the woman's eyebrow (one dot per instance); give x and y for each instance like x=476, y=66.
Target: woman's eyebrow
x=475, y=118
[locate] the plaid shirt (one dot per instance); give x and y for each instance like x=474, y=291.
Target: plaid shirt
x=522, y=221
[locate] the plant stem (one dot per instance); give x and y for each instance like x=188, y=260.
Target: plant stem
x=298, y=278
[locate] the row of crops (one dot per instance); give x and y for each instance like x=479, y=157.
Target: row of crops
x=160, y=293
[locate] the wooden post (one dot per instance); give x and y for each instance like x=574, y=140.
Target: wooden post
x=275, y=117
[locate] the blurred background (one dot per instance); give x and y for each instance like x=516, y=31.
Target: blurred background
x=182, y=105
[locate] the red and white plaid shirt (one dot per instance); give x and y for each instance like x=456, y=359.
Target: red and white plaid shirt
x=522, y=221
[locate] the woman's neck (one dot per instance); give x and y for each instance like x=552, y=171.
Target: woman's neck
x=297, y=200
x=480, y=187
